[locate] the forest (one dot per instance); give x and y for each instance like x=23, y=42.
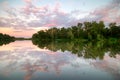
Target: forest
x=5, y=39
x=87, y=31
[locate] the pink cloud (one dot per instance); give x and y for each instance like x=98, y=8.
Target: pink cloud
x=27, y=1
x=108, y=13
x=48, y=16
x=118, y=20
x=51, y=25
x=57, y=7
x=31, y=16
x=44, y=16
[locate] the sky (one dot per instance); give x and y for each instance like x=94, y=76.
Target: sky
x=22, y=18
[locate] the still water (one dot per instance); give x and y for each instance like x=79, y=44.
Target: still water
x=21, y=60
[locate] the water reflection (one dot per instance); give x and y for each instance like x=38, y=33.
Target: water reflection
x=22, y=60
x=110, y=65
x=87, y=50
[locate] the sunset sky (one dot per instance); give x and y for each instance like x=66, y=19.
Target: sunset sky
x=22, y=18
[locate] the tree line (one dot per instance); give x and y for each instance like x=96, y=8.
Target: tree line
x=5, y=39
x=90, y=31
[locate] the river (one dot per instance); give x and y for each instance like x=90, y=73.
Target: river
x=21, y=60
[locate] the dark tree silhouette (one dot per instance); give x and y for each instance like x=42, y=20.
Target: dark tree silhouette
x=5, y=39
x=91, y=31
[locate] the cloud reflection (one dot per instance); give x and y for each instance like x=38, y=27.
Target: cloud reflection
x=110, y=65
x=33, y=63
x=30, y=60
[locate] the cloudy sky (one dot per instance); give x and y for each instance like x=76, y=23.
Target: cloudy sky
x=22, y=18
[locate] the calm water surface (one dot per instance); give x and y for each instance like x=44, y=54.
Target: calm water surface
x=21, y=60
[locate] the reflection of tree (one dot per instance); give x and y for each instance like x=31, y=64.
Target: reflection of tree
x=85, y=49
